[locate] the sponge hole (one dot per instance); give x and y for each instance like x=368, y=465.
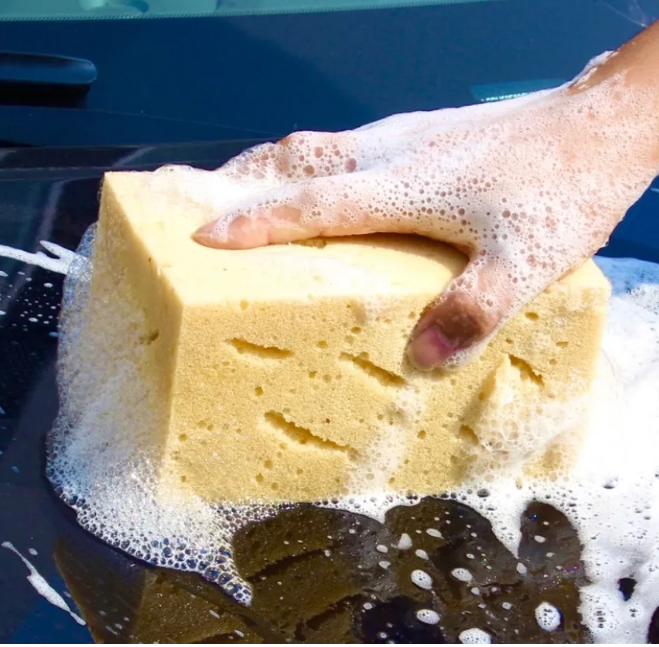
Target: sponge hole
x=421, y=435
x=259, y=478
x=468, y=435
x=259, y=391
x=321, y=344
x=533, y=316
x=562, y=344
x=183, y=437
x=244, y=305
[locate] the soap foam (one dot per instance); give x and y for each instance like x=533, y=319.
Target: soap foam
x=428, y=616
x=548, y=617
x=612, y=497
x=40, y=584
x=451, y=175
x=475, y=636
x=59, y=262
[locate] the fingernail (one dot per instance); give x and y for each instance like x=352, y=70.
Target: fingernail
x=430, y=349
x=204, y=235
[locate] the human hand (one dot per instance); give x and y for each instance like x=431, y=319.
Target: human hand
x=528, y=189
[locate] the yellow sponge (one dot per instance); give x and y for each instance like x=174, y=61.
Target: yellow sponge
x=279, y=374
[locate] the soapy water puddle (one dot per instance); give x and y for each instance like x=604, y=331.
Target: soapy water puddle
x=573, y=563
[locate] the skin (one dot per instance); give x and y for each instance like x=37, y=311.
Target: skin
x=528, y=189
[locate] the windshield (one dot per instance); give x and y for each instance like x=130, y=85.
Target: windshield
x=199, y=70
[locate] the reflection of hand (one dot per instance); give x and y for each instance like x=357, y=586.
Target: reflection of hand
x=528, y=188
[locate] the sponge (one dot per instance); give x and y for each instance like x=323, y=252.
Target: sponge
x=279, y=374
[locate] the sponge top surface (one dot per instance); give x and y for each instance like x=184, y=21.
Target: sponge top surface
x=377, y=264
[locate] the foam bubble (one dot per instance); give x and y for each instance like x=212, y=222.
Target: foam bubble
x=462, y=574
x=548, y=617
x=474, y=636
x=428, y=616
x=421, y=579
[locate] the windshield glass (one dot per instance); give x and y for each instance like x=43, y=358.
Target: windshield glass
x=200, y=70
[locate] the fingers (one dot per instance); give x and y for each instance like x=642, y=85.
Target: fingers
x=464, y=318
x=327, y=206
x=298, y=156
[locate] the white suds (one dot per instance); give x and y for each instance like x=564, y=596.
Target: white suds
x=474, y=636
x=428, y=616
x=60, y=264
x=462, y=574
x=42, y=587
x=548, y=617
x=421, y=579
x=405, y=542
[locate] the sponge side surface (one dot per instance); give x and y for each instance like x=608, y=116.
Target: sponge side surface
x=279, y=374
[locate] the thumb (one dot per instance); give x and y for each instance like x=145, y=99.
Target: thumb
x=339, y=205
x=464, y=318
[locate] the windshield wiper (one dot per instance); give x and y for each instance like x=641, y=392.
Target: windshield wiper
x=45, y=78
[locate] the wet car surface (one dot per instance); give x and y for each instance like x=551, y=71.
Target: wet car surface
x=318, y=575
